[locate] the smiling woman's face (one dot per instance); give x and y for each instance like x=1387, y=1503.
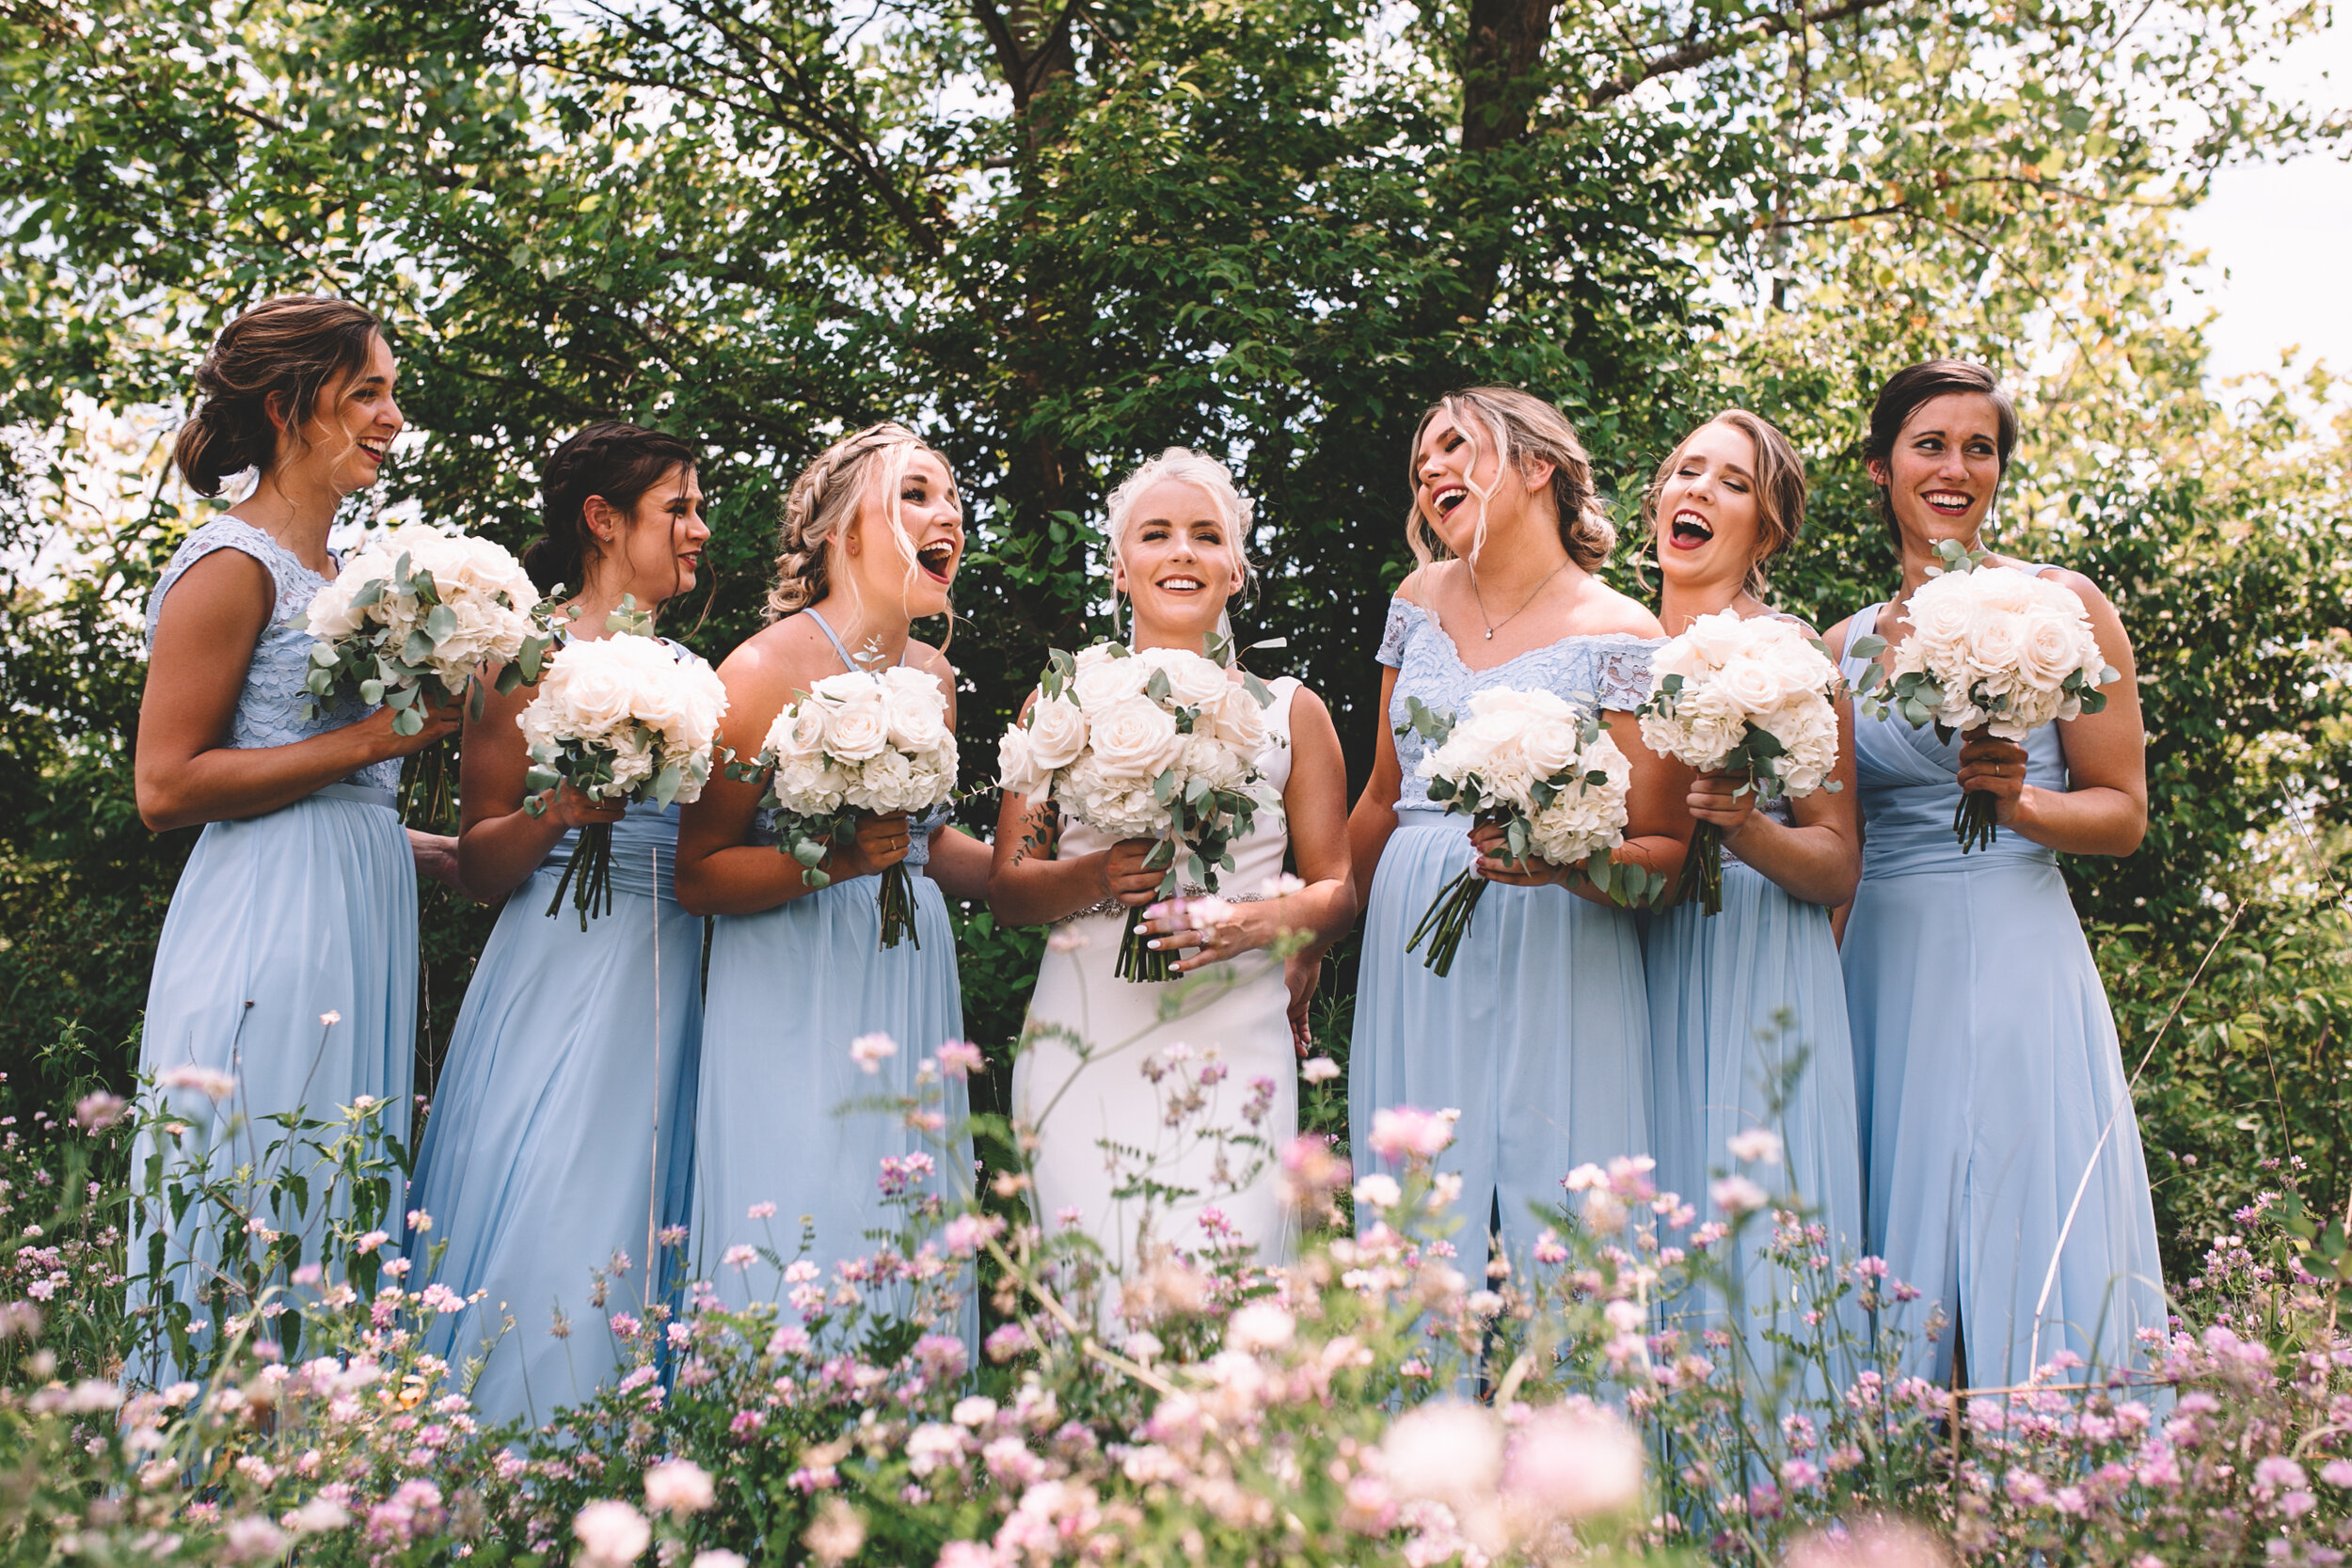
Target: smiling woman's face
x=1445, y=470
x=351, y=427
x=933, y=519
x=1177, y=563
x=1944, y=471
x=1707, y=523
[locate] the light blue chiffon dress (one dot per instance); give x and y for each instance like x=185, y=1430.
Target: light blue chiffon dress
x=779, y=1119
x=2006, y=1179
x=1540, y=1036
x=561, y=1130
x=1719, y=987
x=278, y=921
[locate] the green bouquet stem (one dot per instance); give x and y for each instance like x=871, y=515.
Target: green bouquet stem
x=1703, y=869
x=588, y=874
x=898, y=906
x=1448, y=920
x=1138, y=961
x=1973, y=820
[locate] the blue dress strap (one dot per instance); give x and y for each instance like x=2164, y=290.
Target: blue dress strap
x=847, y=662
x=1864, y=624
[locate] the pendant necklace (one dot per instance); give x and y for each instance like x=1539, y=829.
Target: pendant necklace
x=1494, y=626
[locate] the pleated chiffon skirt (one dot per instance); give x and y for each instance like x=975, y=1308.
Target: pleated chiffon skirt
x=784, y=1117
x=1748, y=1024
x=278, y=922
x=2006, y=1176
x=560, y=1143
x=1540, y=1036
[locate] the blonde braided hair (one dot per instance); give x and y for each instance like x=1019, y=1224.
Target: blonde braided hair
x=822, y=504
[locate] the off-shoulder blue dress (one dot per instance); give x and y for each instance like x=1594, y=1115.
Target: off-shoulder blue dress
x=1540, y=1036
x=776, y=1121
x=1718, y=987
x=561, y=1140
x=280, y=921
x=2006, y=1178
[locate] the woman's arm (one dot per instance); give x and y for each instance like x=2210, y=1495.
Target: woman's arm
x=720, y=871
x=184, y=772
x=1817, y=858
x=1374, y=816
x=1029, y=884
x=1657, y=829
x=499, y=843
x=2104, y=810
x=1313, y=803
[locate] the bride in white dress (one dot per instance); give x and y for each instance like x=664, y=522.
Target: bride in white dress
x=1103, y=1071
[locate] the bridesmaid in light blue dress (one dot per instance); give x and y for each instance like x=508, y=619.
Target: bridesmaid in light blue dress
x=1540, y=1034
x=288, y=961
x=2006, y=1178
x=1721, y=506
x=873, y=535
x=559, y=1147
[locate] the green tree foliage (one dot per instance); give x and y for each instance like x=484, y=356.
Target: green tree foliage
x=1058, y=237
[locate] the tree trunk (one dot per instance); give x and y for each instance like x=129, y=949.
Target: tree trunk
x=1499, y=82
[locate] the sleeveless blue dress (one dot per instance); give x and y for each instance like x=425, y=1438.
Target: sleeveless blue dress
x=278, y=920
x=2006, y=1179
x=778, y=1121
x=1540, y=1036
x=561, y=1131
x=1716, y=987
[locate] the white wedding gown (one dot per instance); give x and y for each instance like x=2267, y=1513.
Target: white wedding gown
x=1103, y=1125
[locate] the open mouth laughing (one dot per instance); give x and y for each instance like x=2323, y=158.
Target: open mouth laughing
x=376, y=447
x=1688, y=530
x=938, y=560
x=1446, y=499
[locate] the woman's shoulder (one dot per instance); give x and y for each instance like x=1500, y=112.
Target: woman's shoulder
x=1606, y=612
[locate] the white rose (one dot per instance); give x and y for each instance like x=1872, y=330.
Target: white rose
x=2055, y=646
x=918, y=719
x=1550, y=746
x=590, y=694
x=1995, y=641
x=1057, y=733
x=1212, y=761
x=856, y=726
x=1239, y=721
x=1748, y=684
x=798, y=731
x=1107, y=682
x=1192, y=680
x=1716, y=638
x=1135, y=738
x=885, y=783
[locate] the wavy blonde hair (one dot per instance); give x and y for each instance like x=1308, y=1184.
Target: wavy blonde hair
x=823, y=502
x=1204, y=473
x=1780, y=489
x=1522, y=427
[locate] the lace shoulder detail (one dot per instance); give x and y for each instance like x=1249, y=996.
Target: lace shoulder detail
x=1621, y=670
x=1392, y=635
x=293, y=583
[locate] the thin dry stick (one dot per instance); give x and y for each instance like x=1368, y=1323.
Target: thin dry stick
x=653, y=1155
x=2049, y=1279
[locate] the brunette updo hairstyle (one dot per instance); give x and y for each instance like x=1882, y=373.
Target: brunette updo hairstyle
x=823, y=502
x=1779, y=475
x=1902, y=396
x=287, y=349
x=619, y=462
x=1522, y=427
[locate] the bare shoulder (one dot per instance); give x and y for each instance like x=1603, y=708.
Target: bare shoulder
x=931, y=660
x=1424, y=580
x=2081, y=586
x=776, y=657
x=1836, y=637
x=1606, y=612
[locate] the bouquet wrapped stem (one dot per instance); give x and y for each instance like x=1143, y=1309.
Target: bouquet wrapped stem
x=588, y=876
x=898, y=906
x=1447, y=920
x=1973, y=821
x=1703, y=868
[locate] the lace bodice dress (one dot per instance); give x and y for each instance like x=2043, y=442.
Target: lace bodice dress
x=1540, y=1036
x=281, y=921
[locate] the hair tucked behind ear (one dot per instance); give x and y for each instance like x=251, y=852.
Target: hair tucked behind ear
x=288, y=348
x=823, y=503
x=1780, y=489
x=618, y=462
x=1524, y=428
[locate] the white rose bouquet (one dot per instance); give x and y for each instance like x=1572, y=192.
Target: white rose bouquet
x=1992, y=648
x=1546, y=773
x=1748, y=696
x=1160, y=744
x=859, y=742
x=419, y=605
x=620, y=719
